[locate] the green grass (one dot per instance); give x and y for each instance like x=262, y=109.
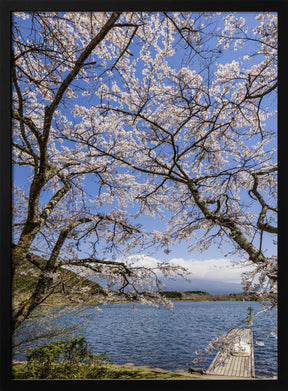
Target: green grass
x=106, y=371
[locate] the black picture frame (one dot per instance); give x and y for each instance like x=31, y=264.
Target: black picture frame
x=6, y=179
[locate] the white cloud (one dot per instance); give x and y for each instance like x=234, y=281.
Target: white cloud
x=143, y=260
x=220, y=269
x=216, y=269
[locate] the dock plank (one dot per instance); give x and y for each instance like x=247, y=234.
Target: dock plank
x=227, y=364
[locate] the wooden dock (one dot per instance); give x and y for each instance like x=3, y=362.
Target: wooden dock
x=238, y=359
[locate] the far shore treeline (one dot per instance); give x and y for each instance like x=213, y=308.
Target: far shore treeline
x=205, y=296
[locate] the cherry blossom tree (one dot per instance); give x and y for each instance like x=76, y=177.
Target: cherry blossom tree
x=56, y=216
x=151, y=109
x=198, y=129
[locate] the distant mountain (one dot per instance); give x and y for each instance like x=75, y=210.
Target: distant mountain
x=210, y=286
x=207, y=275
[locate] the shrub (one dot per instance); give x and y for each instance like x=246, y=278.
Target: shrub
x=64, y=359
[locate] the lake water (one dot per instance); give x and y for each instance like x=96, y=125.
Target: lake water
x=145, y=335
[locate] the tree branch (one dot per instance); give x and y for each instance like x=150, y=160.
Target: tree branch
x=265, y=207
x=78, y=65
